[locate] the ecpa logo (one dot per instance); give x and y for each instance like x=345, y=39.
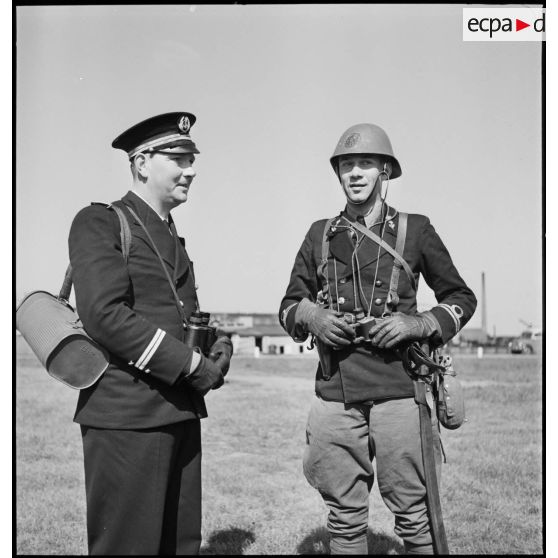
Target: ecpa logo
x=504, y=24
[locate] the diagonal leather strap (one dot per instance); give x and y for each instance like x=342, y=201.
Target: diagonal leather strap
x=177, y=300
x=375, y=238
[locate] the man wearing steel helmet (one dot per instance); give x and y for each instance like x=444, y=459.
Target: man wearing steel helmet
x=140, y=422
x=358, y=268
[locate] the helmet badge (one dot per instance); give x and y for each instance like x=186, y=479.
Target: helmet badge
x=184, y=124
x=352, y=140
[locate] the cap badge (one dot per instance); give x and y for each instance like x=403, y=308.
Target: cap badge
x=352, y=140
x=184, y=124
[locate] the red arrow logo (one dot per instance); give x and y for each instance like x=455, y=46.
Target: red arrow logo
x=519, y=25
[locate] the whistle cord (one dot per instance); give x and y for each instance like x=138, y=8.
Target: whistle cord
x=359, y=279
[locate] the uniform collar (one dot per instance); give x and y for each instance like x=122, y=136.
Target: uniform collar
x=144, y=210
x=166, y=220
x=389, y=216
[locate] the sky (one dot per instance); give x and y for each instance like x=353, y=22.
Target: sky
x=273, y=89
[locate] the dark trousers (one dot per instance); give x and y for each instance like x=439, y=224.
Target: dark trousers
x=143, y=489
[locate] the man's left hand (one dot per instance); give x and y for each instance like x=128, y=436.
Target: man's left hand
x=221, y=352
x=389, y=332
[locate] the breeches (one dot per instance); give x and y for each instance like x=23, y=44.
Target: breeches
x=342, y=442
x=143, y=489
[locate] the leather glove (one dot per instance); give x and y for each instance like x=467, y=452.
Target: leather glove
x=221, y=352
x=327, y=325
x=399, y=327
x=207, y=375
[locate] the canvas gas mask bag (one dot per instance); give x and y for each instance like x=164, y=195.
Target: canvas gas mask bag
x=53, y=330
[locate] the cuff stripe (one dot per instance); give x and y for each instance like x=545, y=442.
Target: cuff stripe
x=150, y=349
x=285, y=313
x=454, y=315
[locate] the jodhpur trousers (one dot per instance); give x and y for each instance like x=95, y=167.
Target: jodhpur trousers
x=342, y=442
x=143, y=490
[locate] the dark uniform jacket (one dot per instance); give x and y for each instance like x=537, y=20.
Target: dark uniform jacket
x=362, y=373
x=130, y=310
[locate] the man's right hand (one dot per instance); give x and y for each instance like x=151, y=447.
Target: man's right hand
x=327, y=325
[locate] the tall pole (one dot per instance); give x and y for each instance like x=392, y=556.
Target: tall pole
x=483, y=305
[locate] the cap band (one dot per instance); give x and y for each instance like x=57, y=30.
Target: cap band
x=157, y=142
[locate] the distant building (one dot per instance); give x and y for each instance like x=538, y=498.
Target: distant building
x=258, y=333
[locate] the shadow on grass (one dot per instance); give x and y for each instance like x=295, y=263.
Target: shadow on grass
x=228, y=541
x=317, y=542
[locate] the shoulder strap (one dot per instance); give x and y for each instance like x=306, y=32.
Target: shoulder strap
x=375, y=238
x=125, y=241
x=125, y=232
x=392, y=299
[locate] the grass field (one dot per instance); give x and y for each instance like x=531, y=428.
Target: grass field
x=256, y=500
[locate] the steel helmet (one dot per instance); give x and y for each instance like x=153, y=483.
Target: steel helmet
x=366, y=138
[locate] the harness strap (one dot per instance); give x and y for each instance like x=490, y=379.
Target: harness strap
x=392, y=299
x=125, y=241
x=323, y=274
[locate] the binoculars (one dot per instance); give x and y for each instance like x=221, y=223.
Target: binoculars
x=361, y=324
x=199, y=333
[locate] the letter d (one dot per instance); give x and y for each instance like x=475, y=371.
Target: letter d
x=536, y=24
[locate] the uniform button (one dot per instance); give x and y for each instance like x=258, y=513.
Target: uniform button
x=378, y=301
x=341, y=300
x=379, y=283
x=343, y=280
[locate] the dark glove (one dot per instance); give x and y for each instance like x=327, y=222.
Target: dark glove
x=221, y=352
x=327, y=325
x=399, y=327
x=207, y=375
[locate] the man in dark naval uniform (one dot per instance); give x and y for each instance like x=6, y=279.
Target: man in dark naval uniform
x=140, y=422
x=364, y=406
